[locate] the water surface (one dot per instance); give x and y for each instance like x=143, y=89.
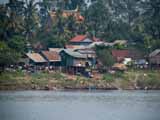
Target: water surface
x=102, y=105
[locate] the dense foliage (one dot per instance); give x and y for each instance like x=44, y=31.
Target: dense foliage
x=105, y=56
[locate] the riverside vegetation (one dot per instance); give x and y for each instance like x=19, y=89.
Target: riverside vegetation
x=129, y=80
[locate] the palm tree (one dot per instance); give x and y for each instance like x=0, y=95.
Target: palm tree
x=11, y=19
x=3, y=22
x=30, y=18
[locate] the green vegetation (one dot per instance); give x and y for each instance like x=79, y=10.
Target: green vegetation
x=150, y=79
x=108, y=77
x=43, y=80
x=105, y=56
x=8, y=56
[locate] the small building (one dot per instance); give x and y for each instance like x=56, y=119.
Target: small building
x=91, y=55
x=52, y=57
x=154, y=58
x=73, y=61
x=36, y=60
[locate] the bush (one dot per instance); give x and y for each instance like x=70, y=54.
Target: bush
x=119, y=74
x=108, y=77
x=151, y=80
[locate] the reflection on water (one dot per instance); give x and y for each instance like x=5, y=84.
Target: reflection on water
x=102, y=105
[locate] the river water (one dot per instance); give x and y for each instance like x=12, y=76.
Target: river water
x=80, y=105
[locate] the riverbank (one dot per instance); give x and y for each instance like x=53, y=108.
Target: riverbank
x=129, y=80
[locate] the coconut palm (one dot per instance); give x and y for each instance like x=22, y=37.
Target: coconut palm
x=30, y=18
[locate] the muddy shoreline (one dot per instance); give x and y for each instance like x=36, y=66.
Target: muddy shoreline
x=130, y=80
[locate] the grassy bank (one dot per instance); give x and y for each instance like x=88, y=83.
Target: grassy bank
x=132, y=79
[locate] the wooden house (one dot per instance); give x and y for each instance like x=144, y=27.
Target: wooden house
x=91, y=55
x=52, y=57
x=73, y=61
x=154, y=58
x=36, y=61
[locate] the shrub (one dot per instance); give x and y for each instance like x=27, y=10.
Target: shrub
x=108, y=77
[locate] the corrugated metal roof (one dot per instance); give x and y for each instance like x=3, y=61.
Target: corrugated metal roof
x=154, y=53
x=51, y=55
x=74, y=54
x=58, y=50
x=86, y=51
x=36, y=57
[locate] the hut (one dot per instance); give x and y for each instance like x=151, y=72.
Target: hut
x=73, y=61
x=53, y=58
x=154, y=58
x=36, y=60
x=91, y=55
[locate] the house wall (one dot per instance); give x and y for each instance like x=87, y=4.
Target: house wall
x=155, y=60
x=31, y=62
x=66, y=60
x=56, y=63
x=79, y=62
x=69, y=61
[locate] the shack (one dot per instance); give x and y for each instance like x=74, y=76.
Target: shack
x=154, y=58
x=36, y=61
x=73, y=62
x=53, y=58
x=91, y=55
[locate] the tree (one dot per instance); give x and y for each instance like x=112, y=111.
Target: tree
x=151, y=18
x=105, y=56
x=15, y=12
x=8, y=56
x=146, y=30
x=3, y=22
x=98, y=18
x=18, y=43
x=31, y=19
x=44, y=16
